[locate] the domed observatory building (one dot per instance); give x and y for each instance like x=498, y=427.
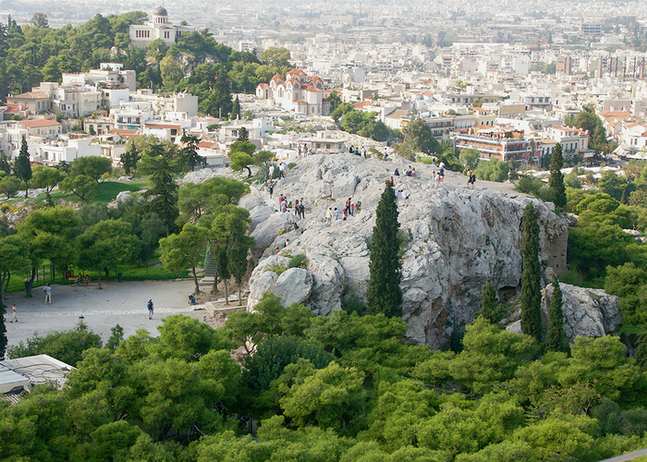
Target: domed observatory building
x=158, y=28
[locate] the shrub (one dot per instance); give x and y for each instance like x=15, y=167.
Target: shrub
x=299, y=261
x=278, y=268
x=425, y=160
x=354, y=305
x=528, y=184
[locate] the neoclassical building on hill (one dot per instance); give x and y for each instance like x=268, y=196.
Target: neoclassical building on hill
x=159, y=28
x=298, y=92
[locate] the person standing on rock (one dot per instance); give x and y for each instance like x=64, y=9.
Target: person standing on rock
x=329, y=216
x=441, y=172
x=150, y=307
x=348, y=207
x=471, y=180
x=271, y=188
x=271, y=171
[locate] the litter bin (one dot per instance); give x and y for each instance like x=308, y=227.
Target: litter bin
x=119, y=277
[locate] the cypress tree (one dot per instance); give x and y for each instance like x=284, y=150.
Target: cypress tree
x=235, y=109
x=488, y=303
x=22, y=165
x=531, y=276
x=384, y=293
x=556, y=182
x=556, y=337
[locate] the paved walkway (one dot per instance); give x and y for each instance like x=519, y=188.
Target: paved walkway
x=117, y=303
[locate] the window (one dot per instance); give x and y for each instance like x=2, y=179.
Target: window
x=173, y=131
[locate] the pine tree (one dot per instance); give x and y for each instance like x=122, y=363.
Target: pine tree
x=22, y=165
x=488, y=303
x=531, y=276
x=556, y=337
x=556, y=182
x=235, y=109
x=384, y=293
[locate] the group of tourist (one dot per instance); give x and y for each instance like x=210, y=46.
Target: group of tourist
x=298, y=207
x=354, y=150
x=350, y=209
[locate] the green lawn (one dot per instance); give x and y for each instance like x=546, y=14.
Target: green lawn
x=153, y=271
x=107, y=191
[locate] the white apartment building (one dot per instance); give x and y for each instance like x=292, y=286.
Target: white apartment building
x=573, y=140
x=109, y=75
x=131, y=115
x=52, y=152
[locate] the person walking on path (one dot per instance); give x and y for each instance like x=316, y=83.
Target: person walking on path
x=150, y=307
x=48, y=294
x=348, y=206
x=13, y=313
x=271, y=171
x=329, y=216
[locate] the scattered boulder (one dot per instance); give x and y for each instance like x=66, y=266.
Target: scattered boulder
x=293, y=286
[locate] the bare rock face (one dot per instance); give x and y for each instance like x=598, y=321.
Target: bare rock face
x=454, y=239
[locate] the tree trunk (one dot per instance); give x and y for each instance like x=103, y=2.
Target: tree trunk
x=4, y=282
x=226, y=293
x=214, y=287
x=249, y=171
x=30, y=283
x=6, y=286
x=195, y=279
x=26, y=189
x=107, y=270
x=240, y=300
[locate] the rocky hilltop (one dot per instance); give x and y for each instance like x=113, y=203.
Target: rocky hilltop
x=454, y=240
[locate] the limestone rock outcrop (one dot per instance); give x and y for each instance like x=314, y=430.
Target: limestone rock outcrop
x=454, y=239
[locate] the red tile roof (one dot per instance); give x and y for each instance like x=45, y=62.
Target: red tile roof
x=35, y=123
